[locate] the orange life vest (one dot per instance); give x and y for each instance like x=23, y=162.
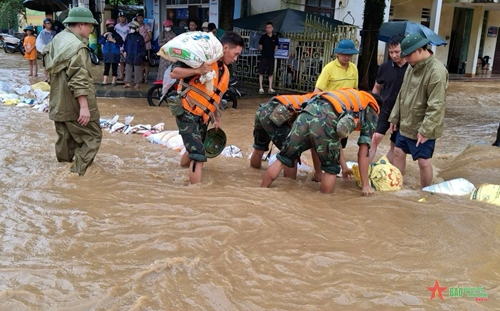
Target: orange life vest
x=293, y=101
x=195, y=98
x=351, y=101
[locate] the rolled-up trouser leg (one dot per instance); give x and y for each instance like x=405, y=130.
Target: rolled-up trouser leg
x=65, y=144
x=88, y=139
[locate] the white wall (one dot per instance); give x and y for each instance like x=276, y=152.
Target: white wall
x=410, y=10
x=445, y=24
x=356, y=9
x=489, y=42
x=263, y=6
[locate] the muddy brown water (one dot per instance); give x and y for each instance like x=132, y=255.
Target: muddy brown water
x=133, y=235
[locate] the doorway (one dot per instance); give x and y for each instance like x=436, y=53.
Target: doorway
x=496, y=59
x=459, y=40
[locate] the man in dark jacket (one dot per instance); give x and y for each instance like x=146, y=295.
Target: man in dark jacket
x=73, y=105
x=111, y=43
x=134, y=50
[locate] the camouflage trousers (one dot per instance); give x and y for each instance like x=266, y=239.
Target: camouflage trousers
x=193, y=133
x=266, y=131
x=314, y=128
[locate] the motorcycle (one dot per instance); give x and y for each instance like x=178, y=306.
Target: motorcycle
x=232, y=94
x=12, y=44
x=155, y=93
x=154, y=59
x=156, y=98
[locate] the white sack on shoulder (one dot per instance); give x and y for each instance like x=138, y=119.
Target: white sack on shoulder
x=193, y=49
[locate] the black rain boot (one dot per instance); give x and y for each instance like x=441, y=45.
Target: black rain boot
x=497, y=142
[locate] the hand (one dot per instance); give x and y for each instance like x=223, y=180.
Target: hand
x=203, y=69
x=84, y=116
x=367, y=190
x=216, y=124
x=346, y=174
x=125, y=54
x=421, y=139
x=393, y=127
x=317, y=176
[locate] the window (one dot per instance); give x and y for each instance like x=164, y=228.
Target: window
x=321, y=3
x=425, y=17
x=320, y=7
x=177, y=2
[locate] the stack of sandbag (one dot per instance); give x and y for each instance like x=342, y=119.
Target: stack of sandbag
x=383, y=175
x=34, y=96
x=194, y=48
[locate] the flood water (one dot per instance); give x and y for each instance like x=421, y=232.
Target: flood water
x=133, y=235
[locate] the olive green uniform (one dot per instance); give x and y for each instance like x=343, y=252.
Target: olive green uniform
x=316, y=128
x=68, y=63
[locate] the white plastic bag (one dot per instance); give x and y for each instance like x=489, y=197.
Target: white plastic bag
x=167, y=80
x=22, y=89
x=232, y=151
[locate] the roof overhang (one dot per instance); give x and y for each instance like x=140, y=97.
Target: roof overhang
x=471, y=4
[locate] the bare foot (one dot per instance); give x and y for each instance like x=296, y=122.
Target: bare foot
x=126, y=85
x=136, y=86
x=30, y=75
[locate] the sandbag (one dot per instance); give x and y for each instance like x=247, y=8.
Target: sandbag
x=194, y=48
x=44, y=86
x=457, y=186
x=487, y=193
x=170, y=139
x=383, y=175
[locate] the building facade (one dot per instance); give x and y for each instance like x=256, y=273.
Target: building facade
x=470, y=26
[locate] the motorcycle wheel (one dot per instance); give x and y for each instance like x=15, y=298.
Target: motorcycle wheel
x=231, y=97
x=154, y=61
x=154, y=95
x=7, y=50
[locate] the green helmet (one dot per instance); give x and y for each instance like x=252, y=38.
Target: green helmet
x=411, y=43
x=215, y=142
x=80, y=15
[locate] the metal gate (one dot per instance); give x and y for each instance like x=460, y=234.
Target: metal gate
x=308, y=53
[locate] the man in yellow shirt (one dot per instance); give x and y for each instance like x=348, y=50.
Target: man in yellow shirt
x=338, y=74
x=341, y=72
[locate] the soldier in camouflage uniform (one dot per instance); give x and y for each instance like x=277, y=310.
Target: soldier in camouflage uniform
x=321, y=126
x=266, y=129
